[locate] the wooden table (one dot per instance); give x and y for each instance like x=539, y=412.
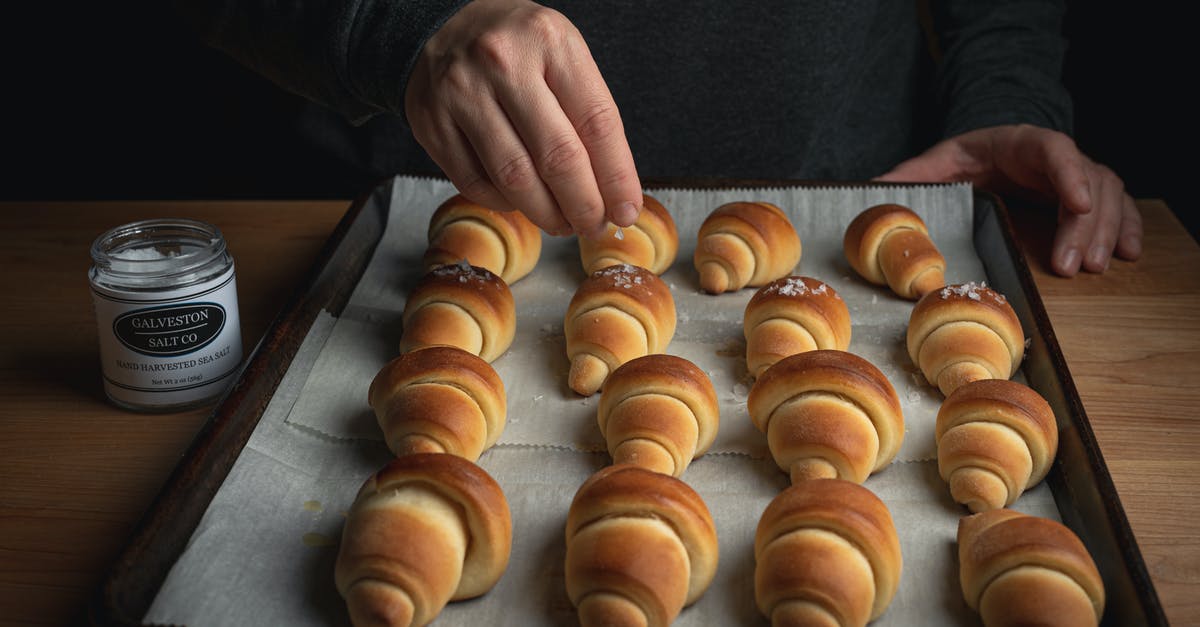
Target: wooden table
x=76, y=474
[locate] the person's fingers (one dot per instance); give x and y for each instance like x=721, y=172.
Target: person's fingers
x=1129, y=242
x=586, y=101
x=558, y=155
x=1108, y=209
x=454, y=154
x=1047, y=161
x=1067, y=256
x=1071, y=240
x=509, y=165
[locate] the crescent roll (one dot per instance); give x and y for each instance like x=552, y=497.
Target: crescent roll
x=504, y=242
x=995, y=439
x=651, y=243
x=425, y=530
x=1017, y=569
x=658, y=412
x=641, y=546
x=827, y=414
x=890, y=245
x=439, y=399
x=826, y=553
x=744, y=244
x=616, y=314
x=963, y=333
x=792, y=315
x=460, y=305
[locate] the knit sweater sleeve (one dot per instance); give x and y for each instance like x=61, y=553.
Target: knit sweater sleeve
x=353, y=56
x=1001, y=63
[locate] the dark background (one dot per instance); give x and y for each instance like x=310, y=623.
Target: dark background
x=119, y=101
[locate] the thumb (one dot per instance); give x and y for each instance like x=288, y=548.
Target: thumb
x=937, y=165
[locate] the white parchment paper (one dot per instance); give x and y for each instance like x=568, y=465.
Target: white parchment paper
x=264, y=551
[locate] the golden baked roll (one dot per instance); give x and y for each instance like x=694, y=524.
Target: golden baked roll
x=504, y=242
x=963, y=333
x=995, y=439
x=425, y=530
x=890, y=245
x=651, y=243
x=460, y=305
x=439, y=399
x=827, y=414
x=1017, y=569
x=641, y=546
x=792, y=315
x=826, y=553
x=658, y=412
x=744, y=244
x=618, y=313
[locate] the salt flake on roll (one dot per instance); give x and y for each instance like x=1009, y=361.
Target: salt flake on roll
x=793, y=315
x=963, y=333
x=617, y=314
x=460, y=305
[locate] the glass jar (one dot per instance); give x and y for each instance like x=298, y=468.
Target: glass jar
x=166, y=312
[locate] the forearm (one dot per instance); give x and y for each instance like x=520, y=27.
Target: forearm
x=353, y=56
x=1001, y=64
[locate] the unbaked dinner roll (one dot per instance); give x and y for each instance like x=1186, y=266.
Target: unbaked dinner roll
x=963, y=333
x=744, y=244
x=1017, y=569
x=460, y=305
x=427, y=529
x=826, y=553
x=439, y=399
x=827, y=414
x=995, y=439
x=658, y=412
x=641, y=546
x=890, y=245
x=792, y=315
x=651, y=243
x=504, y=242
x=616, y=314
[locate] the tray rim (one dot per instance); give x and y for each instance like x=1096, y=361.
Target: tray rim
x=127, y=591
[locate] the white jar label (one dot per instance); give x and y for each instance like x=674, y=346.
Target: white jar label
x=169, y=347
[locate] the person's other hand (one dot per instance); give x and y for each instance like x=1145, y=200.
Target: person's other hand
x=1096, y=218
x=507, y=100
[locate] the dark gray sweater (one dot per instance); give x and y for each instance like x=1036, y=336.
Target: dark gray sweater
x=812, y=89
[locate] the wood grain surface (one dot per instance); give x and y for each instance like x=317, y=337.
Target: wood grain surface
x=1132, y=341
x=76, y=474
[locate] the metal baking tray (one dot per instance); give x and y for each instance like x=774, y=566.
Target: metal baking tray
x=1079, y=480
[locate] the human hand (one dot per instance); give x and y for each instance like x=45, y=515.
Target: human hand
x=507, y=100
x=1095, y=216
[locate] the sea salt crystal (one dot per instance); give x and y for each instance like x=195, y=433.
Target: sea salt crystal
x=971, y=290
x=619, y=234
x=740, y=392
x=142, y=254
x=622, y=275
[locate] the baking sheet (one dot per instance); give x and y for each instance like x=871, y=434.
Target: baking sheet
x=263, y=552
